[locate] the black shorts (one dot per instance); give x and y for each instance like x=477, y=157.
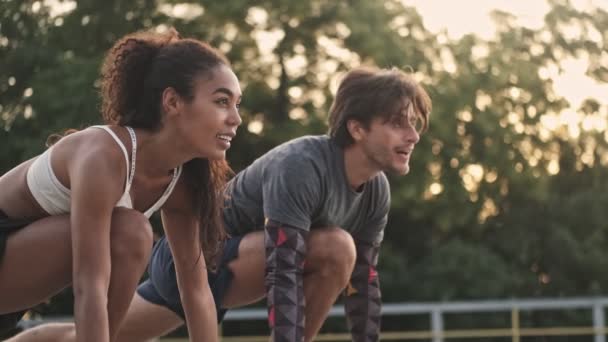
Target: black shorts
x=9, y=321
x=161, y=287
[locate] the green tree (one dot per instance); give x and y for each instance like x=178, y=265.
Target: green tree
x=503, y=199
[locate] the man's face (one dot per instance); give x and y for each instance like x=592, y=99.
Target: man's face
x=388, y=144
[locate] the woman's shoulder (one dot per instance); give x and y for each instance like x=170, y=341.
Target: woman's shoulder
x=89, y=145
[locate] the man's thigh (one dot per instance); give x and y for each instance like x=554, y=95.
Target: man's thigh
x=247, y=284
x=248, y=268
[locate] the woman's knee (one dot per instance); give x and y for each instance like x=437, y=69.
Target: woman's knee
x=331, y=251
x=131, y=235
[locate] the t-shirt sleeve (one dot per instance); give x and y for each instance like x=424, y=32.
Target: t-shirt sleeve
x=373, y=231
x=291, y=191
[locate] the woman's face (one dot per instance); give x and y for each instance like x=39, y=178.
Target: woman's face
x=210, y=119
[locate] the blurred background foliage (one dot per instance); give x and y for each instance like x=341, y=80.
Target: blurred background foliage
x=508, y=189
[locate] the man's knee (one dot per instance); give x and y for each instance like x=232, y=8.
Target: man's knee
x=331, y=252
x=131, y=236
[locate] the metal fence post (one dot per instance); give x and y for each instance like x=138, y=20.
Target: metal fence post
x=515, y=324
x=599, y=323
x=437, y=325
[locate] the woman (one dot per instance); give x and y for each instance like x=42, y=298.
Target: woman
x=77, y=214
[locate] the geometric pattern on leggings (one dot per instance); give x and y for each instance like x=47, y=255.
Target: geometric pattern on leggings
x=362, y=299
x=285, y=254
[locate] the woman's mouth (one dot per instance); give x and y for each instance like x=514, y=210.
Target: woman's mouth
x=225, y=140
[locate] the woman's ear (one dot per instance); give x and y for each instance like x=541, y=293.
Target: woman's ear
x=170, y=102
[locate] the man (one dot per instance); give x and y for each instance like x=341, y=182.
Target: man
x=306, y=220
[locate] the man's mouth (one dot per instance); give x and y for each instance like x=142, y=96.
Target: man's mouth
x=406, y=152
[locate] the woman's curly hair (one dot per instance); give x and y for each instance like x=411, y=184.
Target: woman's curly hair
x=134, y=74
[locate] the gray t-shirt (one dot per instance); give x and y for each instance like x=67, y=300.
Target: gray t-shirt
x=302, y=183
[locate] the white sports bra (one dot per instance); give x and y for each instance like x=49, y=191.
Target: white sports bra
x=55, y=198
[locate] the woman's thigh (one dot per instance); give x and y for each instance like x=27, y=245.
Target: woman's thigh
x=36, y=264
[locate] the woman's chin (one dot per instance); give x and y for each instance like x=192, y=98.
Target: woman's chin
x=217, y=155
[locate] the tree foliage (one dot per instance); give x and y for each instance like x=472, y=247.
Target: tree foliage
x=504, y=199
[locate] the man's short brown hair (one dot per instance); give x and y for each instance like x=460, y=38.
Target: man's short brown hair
x=365, y=93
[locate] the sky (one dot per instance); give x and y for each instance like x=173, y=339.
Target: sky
x=473, y=16
x=465, y=16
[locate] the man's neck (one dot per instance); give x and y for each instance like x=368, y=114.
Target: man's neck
x=358, y=167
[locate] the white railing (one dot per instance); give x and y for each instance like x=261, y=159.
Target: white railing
x=596, y=306
x=436, y=312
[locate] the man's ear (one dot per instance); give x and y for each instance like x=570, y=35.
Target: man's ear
x=356, y=129
x=170, y=102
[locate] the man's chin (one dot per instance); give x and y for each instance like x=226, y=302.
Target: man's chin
x=399, y=171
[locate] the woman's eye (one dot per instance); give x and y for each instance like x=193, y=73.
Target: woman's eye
x=222, y=102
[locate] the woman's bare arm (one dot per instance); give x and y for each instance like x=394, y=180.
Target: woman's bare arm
x=97, y=174
x=181, y=226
